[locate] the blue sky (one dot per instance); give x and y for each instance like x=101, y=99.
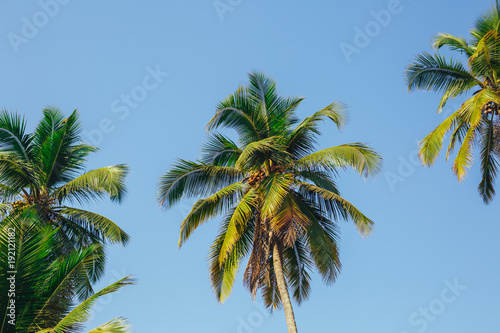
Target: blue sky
x=431, y=232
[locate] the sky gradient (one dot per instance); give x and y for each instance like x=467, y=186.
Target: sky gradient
x=146, y=77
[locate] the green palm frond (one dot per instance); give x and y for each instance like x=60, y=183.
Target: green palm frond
x=302, y=139
x=191, y=179
x=322, y=239
x=94, y=184
x=274, y=189
x=223, y=275
x=81, y=313
x=297, y=267
x=107, y=229
x=243, y=212
x=453, y=42
x=433, y=72
x=237, y=112
x=255, y=153
x=359, y=156
x=336, y=206
x=489, y=162
x=117, y=325
x=13, y=138
x=431, y=145
x=485, y=61
x=220, y=150
x=210, y=207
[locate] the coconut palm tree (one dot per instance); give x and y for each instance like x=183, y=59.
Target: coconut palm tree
x=43, y=170
x=43, y=285
x=476, y=122
x=279, y=202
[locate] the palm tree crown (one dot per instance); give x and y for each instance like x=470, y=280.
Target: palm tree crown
x=476, y=122
x=47, y=282
x=276, y=194
x=41, y=172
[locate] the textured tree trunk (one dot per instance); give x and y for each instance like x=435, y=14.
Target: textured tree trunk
x=285, y=298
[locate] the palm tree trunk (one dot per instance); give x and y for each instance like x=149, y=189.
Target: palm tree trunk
x=285, y=297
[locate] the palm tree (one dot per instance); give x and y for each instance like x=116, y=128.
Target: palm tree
x=45, y=284
x=476, y=122
x=41, y=170
x=277, y=195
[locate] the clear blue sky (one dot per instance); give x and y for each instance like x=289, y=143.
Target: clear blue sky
x=88, y=55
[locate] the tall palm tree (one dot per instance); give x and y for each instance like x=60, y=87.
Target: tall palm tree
x=277, y=195
x=41, y=285
x=476, y=122
x=42, y=170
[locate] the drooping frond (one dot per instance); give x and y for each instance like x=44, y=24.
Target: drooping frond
x=489, y=21
x=336, y=206
x=242, y=213
x=489, y=162
x=117, y=325
x=107, y=229
x=322, y=239
x=94, y=184
x=207, y=208
x=453, y=42
x=485, y=62
x=297, y=267
x=238, y=112
x=220, y=151
x=82, y=312
x=431, y=145
x=359, y=156
x=433, y=72
x=13, y=138
x=302, y=139
x=190, y=179
x=223, y=275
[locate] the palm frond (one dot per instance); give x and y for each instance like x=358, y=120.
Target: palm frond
x=117, y=325
x=489, y=162
x=190, y=179
x=242, y=213
x=303, y=138
x=452, y=42
x=207, y=208
x=108, y=230
x=81, y=313
x=359, y=156
x=94, y=184
x=223, y=275
x=433, y=72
